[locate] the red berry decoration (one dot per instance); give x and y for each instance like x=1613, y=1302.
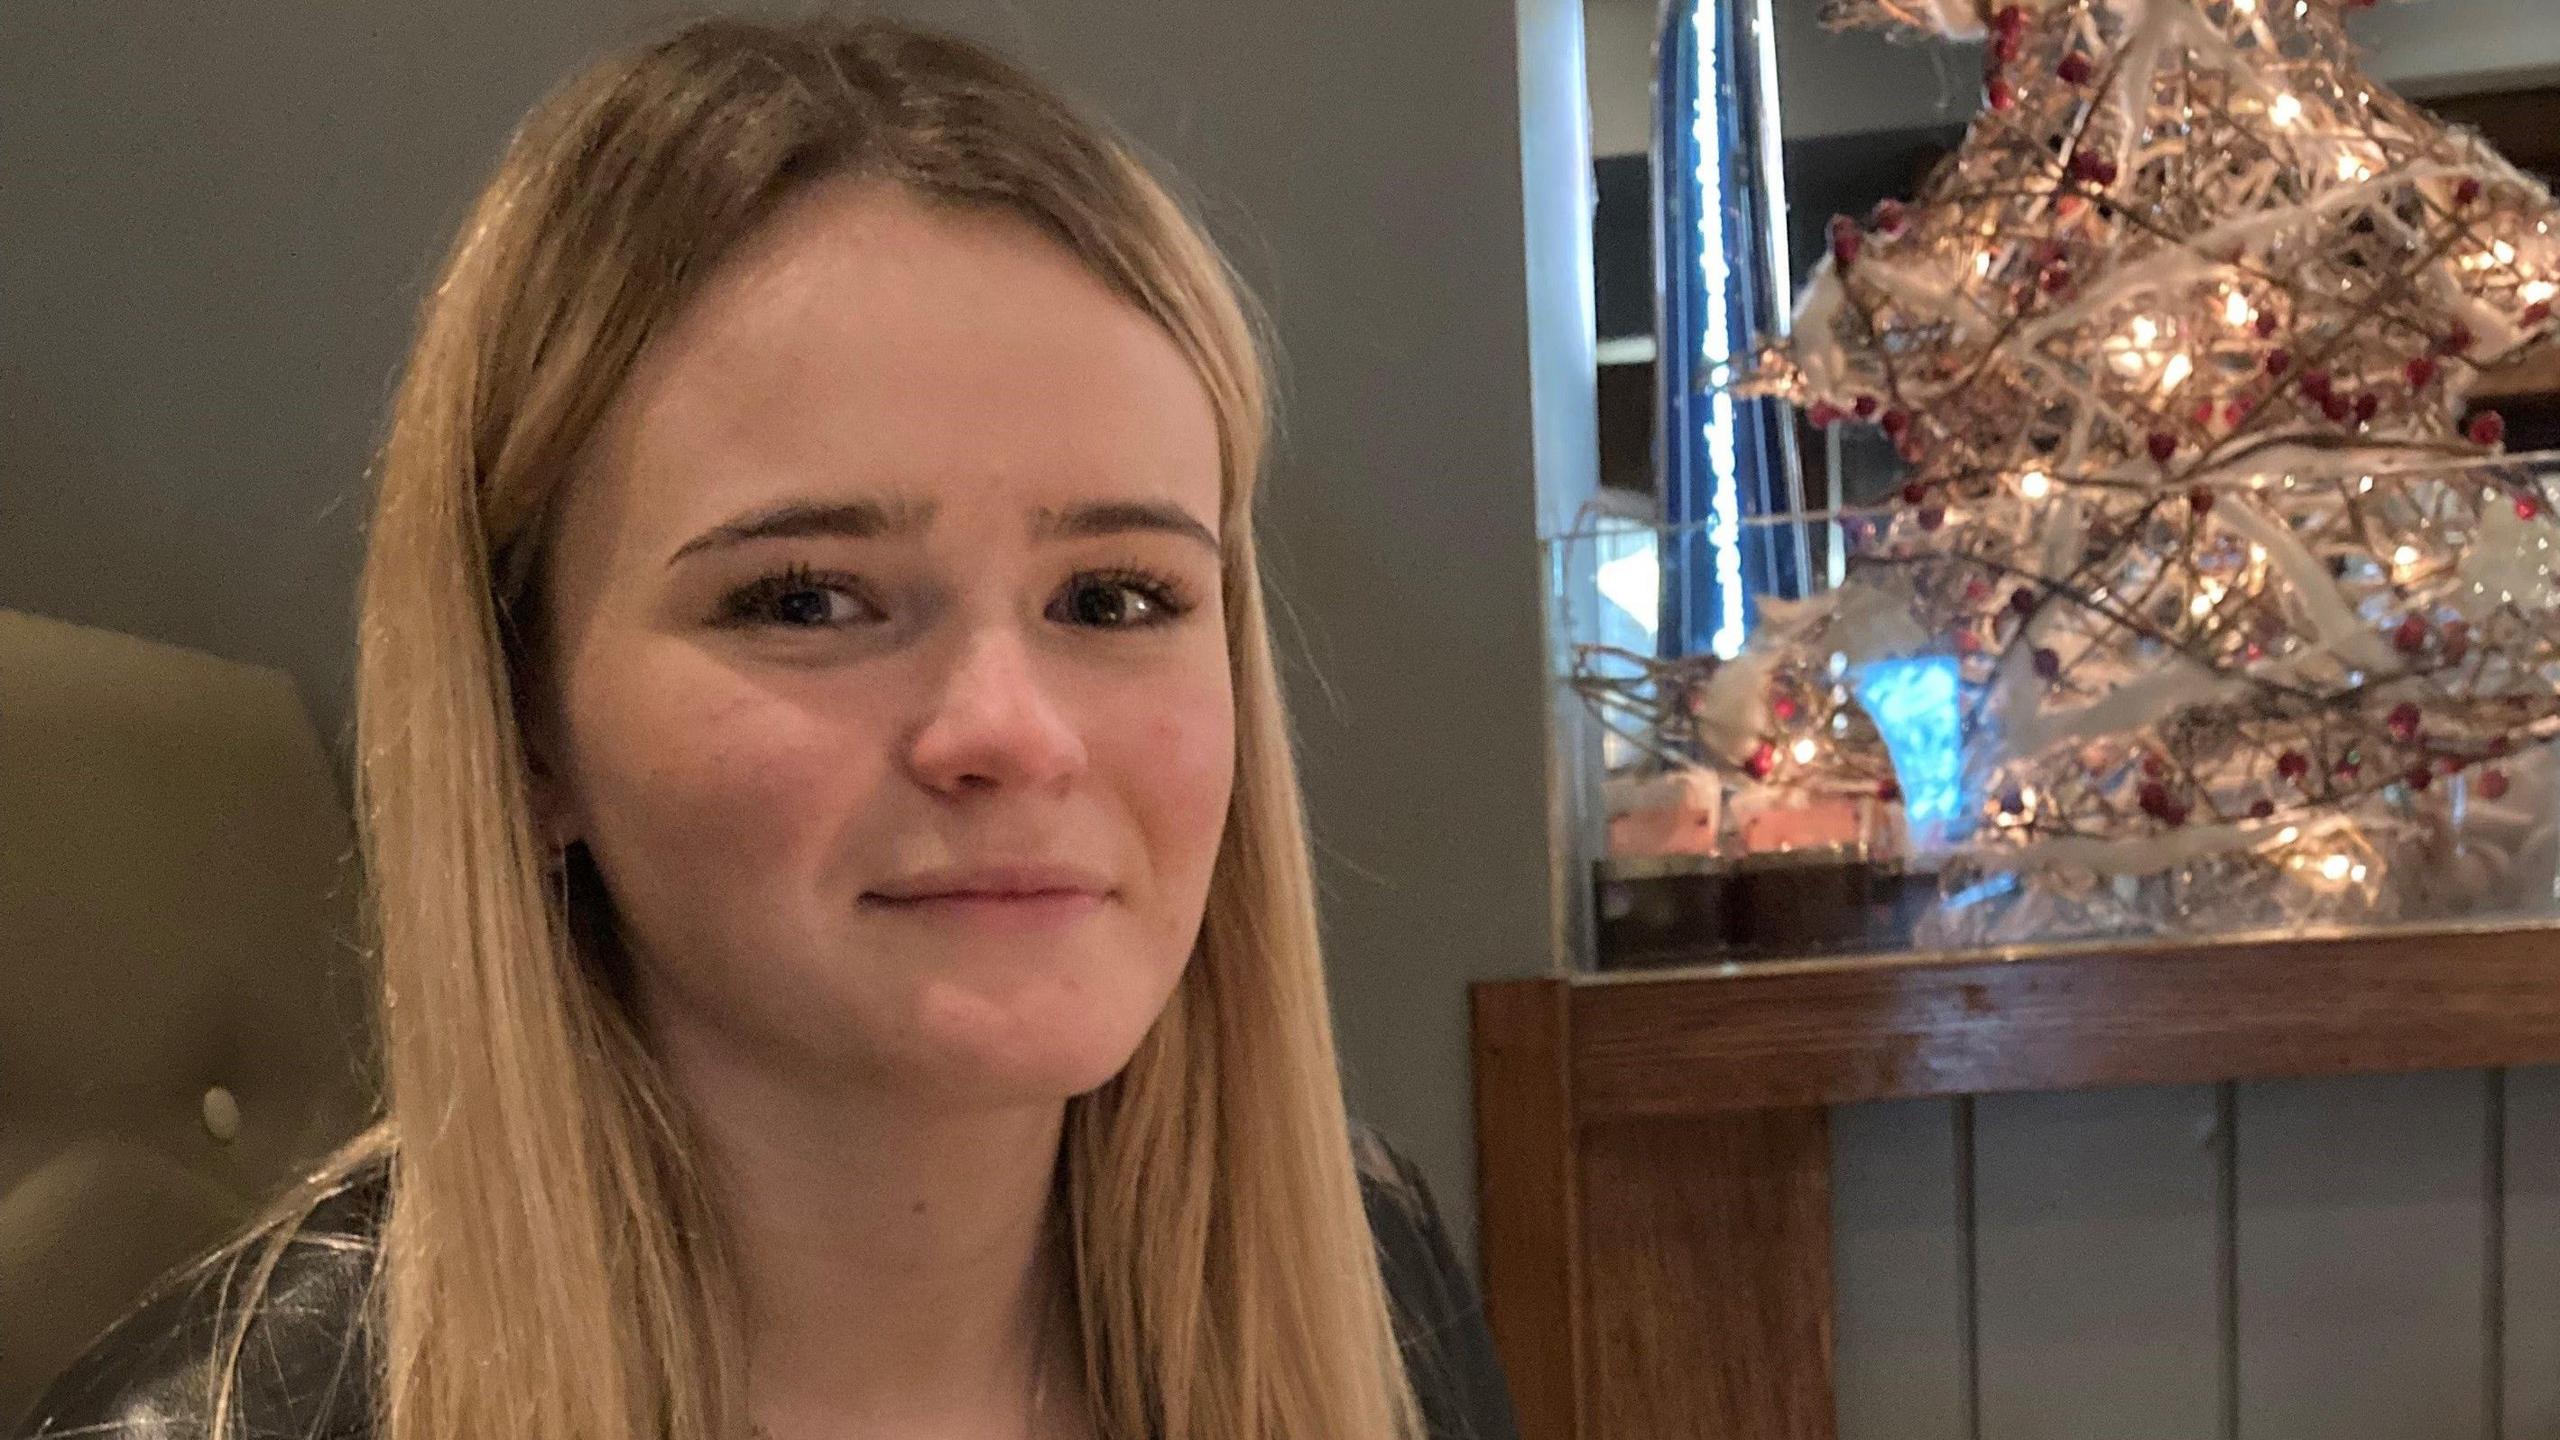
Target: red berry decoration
x=2048, y=664
x=2403, y=721
x=2527, y=507
x=2467, y=191
x=1931, y=517
x=1844, y=241
x=2153, y=797
x=1911, y=447
x=2236, y=410
x=2368, y=405
x=1888, y=790
x=2009, y=19
x=2487, y=428
x=2457, y=339
x=2075, y=69
x=2057, y=278
x=2162, y=445
x=1763, y=759
x=2292, y=765
x=2419, y=777
x=2000, y=94
x=1823, y=414
x=2261, y=809
x=2493, y=783
x=2536, y=313
x=2093, y=167
x=2279, y=360
x=1783, y=707
x=2004, y=46
x=2419, y=372
x=1896, y=421
x=2200, y=500
x=2316, y=384
x=1914, y=492
x=1888, y=217
x=2154, y=766
x=1864, y=407
x=1977, y=589
x=2411, y=637
x=2265, y=324
x=2023, y=600
x=2336, y=408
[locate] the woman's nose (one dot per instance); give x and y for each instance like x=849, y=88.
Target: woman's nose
x=993, y=721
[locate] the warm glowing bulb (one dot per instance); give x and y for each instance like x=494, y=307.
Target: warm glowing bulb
x=2200, y=606
x=2536, y=292
x=2236, y=309
x=2285, y=110
x=2505, y=253
x=2405, y=556
x=2244, y=7
x=2288, y=835
x=2146, y=331
x=2350, y=168
x=2335, y=867
x=2175, y=373
x=1803, y=750
x=2035, y=484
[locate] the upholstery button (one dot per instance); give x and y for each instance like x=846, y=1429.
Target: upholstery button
x=221, y=1114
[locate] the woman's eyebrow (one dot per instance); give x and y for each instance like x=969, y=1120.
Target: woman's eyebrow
x=1115, y=517
x=898, y=518
x=853, y=519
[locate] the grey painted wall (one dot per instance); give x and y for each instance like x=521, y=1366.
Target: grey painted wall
x=220, y=217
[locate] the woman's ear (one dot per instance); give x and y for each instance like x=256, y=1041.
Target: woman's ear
x=554, y=808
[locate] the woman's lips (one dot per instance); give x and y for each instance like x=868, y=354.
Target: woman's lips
x=1038, y=909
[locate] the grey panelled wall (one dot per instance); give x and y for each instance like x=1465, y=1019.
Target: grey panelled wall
x=2375, y=1258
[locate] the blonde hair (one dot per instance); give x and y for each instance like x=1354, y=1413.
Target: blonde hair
x=550, y=1263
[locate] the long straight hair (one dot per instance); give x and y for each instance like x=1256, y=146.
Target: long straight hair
x=551, y=1262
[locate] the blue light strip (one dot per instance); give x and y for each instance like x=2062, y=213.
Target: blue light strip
x=1715, y=273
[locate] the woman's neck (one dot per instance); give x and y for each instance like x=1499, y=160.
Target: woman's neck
x=899, y=1260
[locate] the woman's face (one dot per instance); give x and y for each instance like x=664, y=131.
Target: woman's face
x=896, y=570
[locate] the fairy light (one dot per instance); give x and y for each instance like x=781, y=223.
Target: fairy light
x=2237, y=310
x=1724, y=505
x=2035, y=485
x=2286, y=110
x=1804, y=750
x=2536, y=292
x=2335, y=867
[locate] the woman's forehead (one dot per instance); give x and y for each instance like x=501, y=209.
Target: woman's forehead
x=872, y=344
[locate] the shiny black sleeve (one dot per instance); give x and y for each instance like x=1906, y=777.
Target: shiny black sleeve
x=1440, y=1321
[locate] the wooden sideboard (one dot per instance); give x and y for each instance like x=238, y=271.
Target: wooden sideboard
x=1654, y=1153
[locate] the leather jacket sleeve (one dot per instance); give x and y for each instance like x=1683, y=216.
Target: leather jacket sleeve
x=306, y=1369
x=305, y=1361
x=1440, y=1321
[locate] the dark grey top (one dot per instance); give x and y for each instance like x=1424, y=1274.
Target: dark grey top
x=307, y=1367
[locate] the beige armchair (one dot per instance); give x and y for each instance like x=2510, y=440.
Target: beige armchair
x=181, y=993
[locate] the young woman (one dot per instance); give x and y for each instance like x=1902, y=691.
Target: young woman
x=849, y=964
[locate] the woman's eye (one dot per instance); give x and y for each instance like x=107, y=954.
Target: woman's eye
x=1121, y=600
x=795, y=599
